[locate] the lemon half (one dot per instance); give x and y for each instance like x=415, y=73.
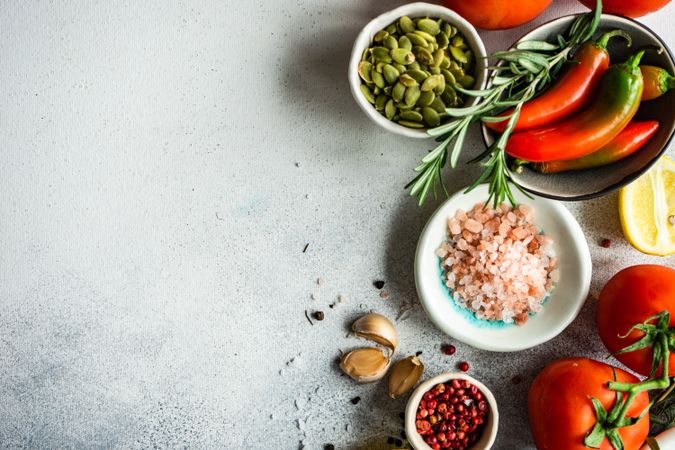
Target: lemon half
x=647, y=210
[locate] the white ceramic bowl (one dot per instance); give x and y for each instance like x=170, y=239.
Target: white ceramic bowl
x=486, y=440
x=420, y=9
x=561, y=308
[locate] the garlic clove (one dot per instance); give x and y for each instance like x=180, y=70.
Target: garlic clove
x=366, y=364
x=404, y=376
x=377, y=328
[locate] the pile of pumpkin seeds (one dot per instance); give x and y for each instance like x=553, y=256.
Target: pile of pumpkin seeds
x=409, y=72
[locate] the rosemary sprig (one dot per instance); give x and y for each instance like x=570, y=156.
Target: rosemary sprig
x=518, y=75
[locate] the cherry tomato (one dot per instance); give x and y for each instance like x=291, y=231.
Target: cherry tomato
x=497, y=14
x=561, y=412
x=630, y=8
x=630, y=297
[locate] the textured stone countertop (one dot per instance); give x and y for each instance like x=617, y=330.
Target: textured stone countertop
x=164, y=165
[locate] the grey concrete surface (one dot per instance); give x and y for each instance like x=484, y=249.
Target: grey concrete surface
x=164, y=163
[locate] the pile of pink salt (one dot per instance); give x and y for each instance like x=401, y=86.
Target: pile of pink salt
x=497, y=263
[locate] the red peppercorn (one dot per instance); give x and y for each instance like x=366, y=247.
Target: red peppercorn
x=431, y=404
x=449, y=349
x=606, y=243
x=464, y=366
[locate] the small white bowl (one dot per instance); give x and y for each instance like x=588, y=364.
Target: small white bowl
x=561, y=308
x=420, y=9
x=489, y=434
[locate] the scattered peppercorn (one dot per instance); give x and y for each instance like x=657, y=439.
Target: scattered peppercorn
x=401, y=415
x=464, y=366
x=390, y=440
x=398, y=442
x=403, y=435
x=355, y=400
x=384, y=295
x=449, y=349
x=318, y=315
x=606, y=243
x=418, y=353
x=329, y=447
x=516, y=379
x=379, y=284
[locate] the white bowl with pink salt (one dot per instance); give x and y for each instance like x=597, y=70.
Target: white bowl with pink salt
x=505, y=278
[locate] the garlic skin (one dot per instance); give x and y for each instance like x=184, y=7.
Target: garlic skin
x=404, y=376
x=365, y=365
x=378, y=329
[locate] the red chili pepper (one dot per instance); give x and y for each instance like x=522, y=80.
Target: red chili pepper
x=570, y=92
x=630, y=140
x=586, y=132
x=657, y=82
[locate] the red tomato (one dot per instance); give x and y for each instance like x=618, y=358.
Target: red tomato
x=630, y=297
x=497, y=14
x=561, y=412
x=630, y=8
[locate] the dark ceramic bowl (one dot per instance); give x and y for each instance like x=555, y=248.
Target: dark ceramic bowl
x=586, y=184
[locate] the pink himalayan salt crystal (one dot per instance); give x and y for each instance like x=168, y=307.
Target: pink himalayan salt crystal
x=497, y=263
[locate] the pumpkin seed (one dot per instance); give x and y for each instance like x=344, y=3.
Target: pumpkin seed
x=442, y=40
x=378, y=79
x=409, y=124
x=441, y=85
x=438, y=105
x=379, y=67
x=457, y=41
x=416, y=39
x=407, y=81
x=400, y=67
x=404, y=107
x=438, y=57
x=445, y=63
x=390, y=42
x=434, y=70
x=376, y=90
x=380, y=35
x=366, y=54
x=457, y=73
x=398, y=91
x=411, y=95
x=426, y=98
x=411, y=115
x=426, y=36
x=431, y=117
x=458, y=54
x=406, y=24
x=390, y=73
x=422, y=55
x=381, y=54
x=404, y=42
x=364, y=71
x=391, y=29
x=428, y=26
x=402, y=56
x=390, y=109
x=431, y=83
x=380, y=102
x=449, y=96
x=418, y=75
x=367, y=93
x=414, y=66
x=466, y=81
x=449, y=77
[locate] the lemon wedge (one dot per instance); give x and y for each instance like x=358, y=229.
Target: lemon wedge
x=647, y=210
